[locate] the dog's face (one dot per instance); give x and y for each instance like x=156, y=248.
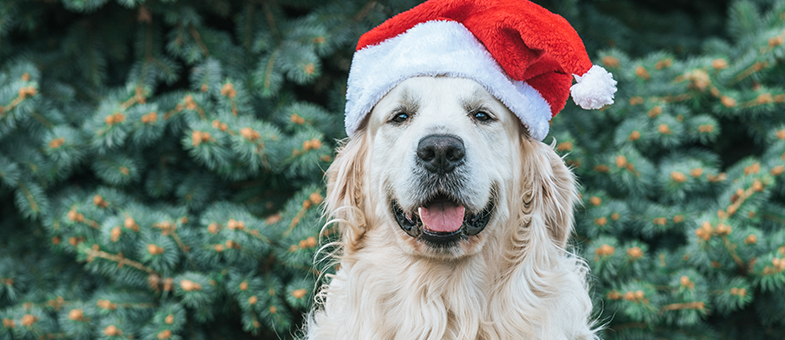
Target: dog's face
x=440, y=168
x=442, y=151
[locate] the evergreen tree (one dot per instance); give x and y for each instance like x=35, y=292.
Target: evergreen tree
x=161, y=165
x=682, y=186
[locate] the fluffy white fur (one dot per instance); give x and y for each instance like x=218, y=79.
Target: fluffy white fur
x=594, y=89
x=514, y=280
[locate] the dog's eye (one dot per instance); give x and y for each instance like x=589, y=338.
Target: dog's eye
x=481, y=116
x=400, y=117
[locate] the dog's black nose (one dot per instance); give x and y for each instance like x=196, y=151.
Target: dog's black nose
x=440, y=153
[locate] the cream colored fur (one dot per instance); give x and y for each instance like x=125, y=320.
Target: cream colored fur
x=514, y=280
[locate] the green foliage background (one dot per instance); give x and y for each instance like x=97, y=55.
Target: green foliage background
x=161, y=164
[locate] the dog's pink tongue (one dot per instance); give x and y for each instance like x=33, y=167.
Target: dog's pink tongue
x=442, y=217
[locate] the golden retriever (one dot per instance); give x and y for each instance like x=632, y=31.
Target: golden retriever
x=453, y=225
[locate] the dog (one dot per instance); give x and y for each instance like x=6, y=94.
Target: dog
x=454, y=224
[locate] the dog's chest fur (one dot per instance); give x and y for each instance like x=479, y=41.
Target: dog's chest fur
x=382, y=294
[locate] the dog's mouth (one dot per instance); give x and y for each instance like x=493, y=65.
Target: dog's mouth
x=442, y=221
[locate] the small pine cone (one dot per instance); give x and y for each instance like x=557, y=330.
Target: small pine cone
x=29, y=320
x=250, y=134
x=164, y=334
x=244, y=285
x=315, y=198
x=664, y=129
x=719, y=64
x=605, y=249
x=723, y=229
x=76, y=314
x=697, y=172
x=154, y=249
x=213, y=228
x=642, y=73
x=106, y=304
x=169, y=319
x=8, y=323
x=601, y=221
x=56, y=143
x=273, y=219
x=253, y=300
x=299, y=293
x=615, y=216
x=112, y=330
x=629, y=296
x=621, y=161
x=309, y=68
x=116, y=233
x=131, y=224
x=634, y=136
x=595, y=201
x=757, y=185
x=228, y=91
x=678, y=176
x=564, y=146
x=188, y=285
x=99, y=201
x=777, y=170
x=295, y=118
x=751, y=239
x=150, y=118
x=660, y=221
x=728, y=101
x=655, y=111
x=752, y=169
x=663, y=63
x=764, y=98
x=190, y=104
x=610, y=61
x=635, y=253
x=706, y=128
x=636, y=101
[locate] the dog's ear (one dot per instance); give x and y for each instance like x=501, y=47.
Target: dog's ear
x=346, y=186
x=549, y=188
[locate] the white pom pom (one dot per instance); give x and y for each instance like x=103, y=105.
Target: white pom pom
x=594, y=89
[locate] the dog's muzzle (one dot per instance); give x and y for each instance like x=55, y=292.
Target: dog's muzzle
x=438, y=234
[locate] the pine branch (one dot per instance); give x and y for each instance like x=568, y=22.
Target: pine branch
x=121, y=260
x=198, y=39
x=681, y=306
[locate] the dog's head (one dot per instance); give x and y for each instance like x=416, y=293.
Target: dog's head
x=439, y=167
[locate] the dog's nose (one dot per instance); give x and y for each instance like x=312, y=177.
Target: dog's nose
x=440, y=153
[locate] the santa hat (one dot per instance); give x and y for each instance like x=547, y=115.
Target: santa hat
x=524, y=55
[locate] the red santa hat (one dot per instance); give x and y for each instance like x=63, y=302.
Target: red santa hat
x=524, y=55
